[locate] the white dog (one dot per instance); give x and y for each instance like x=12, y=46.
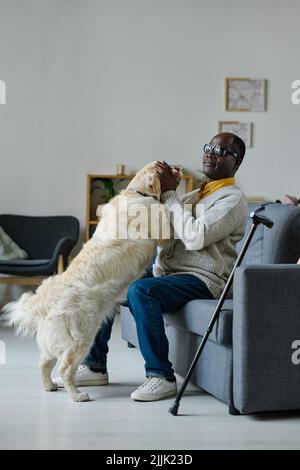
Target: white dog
x=67, y=309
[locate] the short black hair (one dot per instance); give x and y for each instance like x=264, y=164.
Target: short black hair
x=239, y=146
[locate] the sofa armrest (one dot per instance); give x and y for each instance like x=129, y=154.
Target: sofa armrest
x=266, y=322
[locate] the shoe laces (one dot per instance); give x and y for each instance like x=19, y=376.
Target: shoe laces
x=151, y=383
x=145, y=383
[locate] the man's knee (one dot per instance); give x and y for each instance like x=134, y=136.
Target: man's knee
x=136, y=289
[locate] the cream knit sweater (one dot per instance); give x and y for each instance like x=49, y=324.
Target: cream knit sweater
x=212, y=252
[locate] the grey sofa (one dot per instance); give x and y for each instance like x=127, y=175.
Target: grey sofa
x=247, y=362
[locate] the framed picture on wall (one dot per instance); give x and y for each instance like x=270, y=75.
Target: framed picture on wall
x=242, y=129
x=245, y=94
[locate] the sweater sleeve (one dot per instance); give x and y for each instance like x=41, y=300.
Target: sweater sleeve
x=216, y=223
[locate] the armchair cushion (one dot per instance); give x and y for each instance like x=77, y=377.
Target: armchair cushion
x=27, y=267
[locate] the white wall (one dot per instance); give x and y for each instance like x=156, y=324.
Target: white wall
x=91, y=83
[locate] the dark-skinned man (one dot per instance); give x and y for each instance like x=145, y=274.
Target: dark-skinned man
x=189, y=268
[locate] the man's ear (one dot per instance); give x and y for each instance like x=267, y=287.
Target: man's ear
x=238, y=162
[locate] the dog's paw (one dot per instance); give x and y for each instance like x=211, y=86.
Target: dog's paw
x=51, y=388
x=82, y=397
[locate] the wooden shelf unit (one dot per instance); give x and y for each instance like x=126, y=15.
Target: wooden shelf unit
x=120, y=181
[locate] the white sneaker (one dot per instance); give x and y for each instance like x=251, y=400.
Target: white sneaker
x=85, y=377
x=155, y=388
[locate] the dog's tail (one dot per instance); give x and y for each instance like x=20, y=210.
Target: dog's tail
x=20, y=315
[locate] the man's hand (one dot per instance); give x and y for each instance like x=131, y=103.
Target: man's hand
x=168, y=176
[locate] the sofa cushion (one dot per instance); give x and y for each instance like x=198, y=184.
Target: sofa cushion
x=195, y=317
x=276, y=246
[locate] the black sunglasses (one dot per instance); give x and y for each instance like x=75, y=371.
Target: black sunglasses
x=218, y=151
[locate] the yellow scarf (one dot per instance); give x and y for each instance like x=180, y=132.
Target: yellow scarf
x=208, y=188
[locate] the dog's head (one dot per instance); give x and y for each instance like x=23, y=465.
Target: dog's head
x=147, y=182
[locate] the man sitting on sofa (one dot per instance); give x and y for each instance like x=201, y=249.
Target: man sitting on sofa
x=182, y=272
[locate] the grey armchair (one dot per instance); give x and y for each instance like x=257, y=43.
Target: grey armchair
x=48, y=242
x=247, y=362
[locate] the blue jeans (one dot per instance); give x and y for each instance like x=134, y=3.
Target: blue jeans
x=148, y=299
x=97, y=356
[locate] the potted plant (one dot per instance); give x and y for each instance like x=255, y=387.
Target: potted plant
x=109, y=193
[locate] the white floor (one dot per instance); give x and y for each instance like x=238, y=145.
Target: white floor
x=33, y=419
